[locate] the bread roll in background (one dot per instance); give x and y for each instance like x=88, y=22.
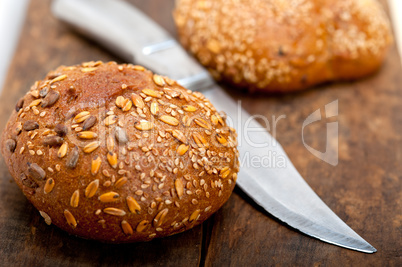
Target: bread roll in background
x=284, y=45
x=118, y=154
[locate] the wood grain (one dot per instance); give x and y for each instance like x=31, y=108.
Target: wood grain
x=364, y=189
x=25, y=240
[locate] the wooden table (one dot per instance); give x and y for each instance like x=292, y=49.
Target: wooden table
x=364, y=189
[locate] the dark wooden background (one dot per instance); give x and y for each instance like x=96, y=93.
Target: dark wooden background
x=364, y=189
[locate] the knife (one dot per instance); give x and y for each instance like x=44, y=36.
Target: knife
x=280, y=190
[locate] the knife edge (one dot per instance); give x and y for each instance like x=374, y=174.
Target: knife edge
x=181, y=66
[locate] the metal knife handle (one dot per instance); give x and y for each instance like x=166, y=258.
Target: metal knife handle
x=129, y=33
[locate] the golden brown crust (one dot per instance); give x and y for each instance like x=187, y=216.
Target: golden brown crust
x=118, y=154
x=281, y=45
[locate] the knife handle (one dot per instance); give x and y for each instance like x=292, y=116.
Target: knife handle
x=129, y=33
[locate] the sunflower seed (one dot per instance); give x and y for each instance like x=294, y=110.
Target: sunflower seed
x=109, y=197
x=52, y=140
x=144, y=125
x=70, y=113
x=142, y=226
x=133, y=205
x=30, y=125
x=50, y=99
x=11, y=145
x=95, y=165
x=114, y=211
x=45, y=216
x=73, y=158
x=61, y=130
x=127, y=229
x=91, y=189
x=160, y=217
x=194, y=215
x=19, y=104
x=44, y=91
x=87, y=135
x=70, y=218
x=48, y=186
x=158, y=80
x=169, y=120
x=178, y=184
x=91, y=147
x=36, y=172
x=137, y=101
x=121, y=135
x=89, y=122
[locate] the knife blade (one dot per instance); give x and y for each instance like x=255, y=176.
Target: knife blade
x=280, y=190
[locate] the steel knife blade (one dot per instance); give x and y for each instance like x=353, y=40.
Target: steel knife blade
x=280, y=190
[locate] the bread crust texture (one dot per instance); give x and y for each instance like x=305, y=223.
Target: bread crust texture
x=118, y=154
x=284, y=46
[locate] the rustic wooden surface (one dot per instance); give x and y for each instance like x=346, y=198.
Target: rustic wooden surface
x=364, y=189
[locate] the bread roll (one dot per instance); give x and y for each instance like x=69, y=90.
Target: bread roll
x=118, y=154
x=281, y=45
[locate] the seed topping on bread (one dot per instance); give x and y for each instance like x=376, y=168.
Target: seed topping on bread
x=141, y=156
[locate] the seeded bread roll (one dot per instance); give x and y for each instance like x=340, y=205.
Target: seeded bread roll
x=282, y=46
x=118, y=154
